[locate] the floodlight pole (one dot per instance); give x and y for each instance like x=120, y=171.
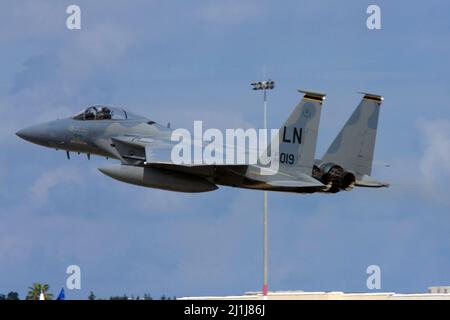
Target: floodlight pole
x=265, y=85
x=265, y=219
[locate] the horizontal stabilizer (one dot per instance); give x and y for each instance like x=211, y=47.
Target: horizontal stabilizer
x=370, y=182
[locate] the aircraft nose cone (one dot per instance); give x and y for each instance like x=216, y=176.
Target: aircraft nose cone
x=25, y=134
x=34, y=134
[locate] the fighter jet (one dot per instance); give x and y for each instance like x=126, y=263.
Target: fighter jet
x=143, y=148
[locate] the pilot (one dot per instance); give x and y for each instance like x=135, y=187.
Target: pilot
x=90, y=114
x=104, y=113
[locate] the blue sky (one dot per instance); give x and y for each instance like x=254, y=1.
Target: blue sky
x=182, y=61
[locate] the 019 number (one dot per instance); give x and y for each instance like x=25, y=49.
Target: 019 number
x=287, y=158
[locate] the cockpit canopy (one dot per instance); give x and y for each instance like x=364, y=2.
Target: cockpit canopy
x=100, y=112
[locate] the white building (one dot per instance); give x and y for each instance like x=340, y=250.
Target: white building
x=433, y=294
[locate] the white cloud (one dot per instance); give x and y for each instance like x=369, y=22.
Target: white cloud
x=50, y=179
x=426, y=172
x=436, y=140
x=434, y=164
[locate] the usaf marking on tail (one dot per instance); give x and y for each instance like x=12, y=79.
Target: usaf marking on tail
x=143, y=148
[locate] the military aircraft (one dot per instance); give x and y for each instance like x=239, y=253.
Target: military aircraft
x=143, y=148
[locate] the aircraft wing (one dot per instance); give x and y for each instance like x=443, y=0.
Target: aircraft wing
x=155, y=151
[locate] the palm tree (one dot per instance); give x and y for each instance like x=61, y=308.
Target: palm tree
x=35, y=290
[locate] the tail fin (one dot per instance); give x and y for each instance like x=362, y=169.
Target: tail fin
x=298, y=136
x=353, y=147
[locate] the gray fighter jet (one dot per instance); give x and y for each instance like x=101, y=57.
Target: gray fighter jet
x=143, y=148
